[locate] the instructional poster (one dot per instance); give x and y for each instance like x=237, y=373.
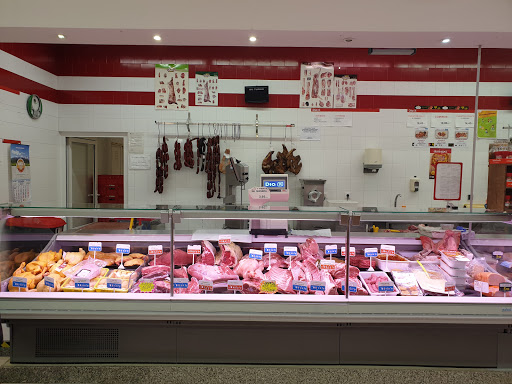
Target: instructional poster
x=171, y=86
x=206, y=88
x=345, y=95
x=20, y=173
x=317, y=83
x=438, y=155
x=487, y=124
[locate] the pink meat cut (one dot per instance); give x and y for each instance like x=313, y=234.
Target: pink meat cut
x=156, y=272
x=208, y=255
x=339, y=271
x=180, y=258
x=360, y=290
x=310, y=249
x=275, y=261
x=229, y=255
x=193, y=287
x=249, y=269
x=283, y=278
x=251, y=287
x=298, y=271
x=211, y=272
x=181, y=272
x=312, y=273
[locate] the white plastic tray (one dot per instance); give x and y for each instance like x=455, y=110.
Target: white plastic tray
x=364, y=275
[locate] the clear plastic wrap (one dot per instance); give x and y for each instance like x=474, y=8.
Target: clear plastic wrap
x=87, y=269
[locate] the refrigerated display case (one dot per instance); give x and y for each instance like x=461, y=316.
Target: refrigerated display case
x=311, y=309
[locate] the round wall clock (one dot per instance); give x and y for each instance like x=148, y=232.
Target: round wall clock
x=34, y=107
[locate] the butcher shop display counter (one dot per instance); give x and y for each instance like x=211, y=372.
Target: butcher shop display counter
x=442, y=275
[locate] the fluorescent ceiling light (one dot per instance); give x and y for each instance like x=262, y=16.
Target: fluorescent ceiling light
x=445, y=41
x=392, y=51
x=157, y=37
x=61, y=36
x=252, y=39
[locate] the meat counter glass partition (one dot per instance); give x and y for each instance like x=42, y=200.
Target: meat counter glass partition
x=233, y=254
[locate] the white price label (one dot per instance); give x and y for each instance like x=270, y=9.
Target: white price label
x=82, y=283
x=49, y=282
x=352, y=287
x=352, y=251
x=194, y=249
x=299, y=286
x=371, y=252
x=19, y=282
x=180, y=282
x=385, y=286
x=497, y=255
x=259, y=193
x=123, y=248
x=224, y=239
x=290, y=251
x=255, y=254
x=235, y=285
x=270, y=247
x=95, y=246
x=155, y=250
x=387, y=249
x=331, y=249
x=481, y=286
x=114, y=283
x=206, y=285
x=316, y=285
x=328, y=265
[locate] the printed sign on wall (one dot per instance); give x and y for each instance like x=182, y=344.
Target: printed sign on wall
x=20, y=173
x=317, y=83
x=171, y=86
x=487, y=124
x=206, y=88
x=345, y=95
x=438, y=155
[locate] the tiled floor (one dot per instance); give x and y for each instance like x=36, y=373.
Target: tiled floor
x=159, y=373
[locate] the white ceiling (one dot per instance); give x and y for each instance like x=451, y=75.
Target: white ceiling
x=295, y=23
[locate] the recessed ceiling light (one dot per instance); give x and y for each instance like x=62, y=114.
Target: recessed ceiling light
x=445, y=41
x=61, y=36
x=252, y=39
x=157, y=37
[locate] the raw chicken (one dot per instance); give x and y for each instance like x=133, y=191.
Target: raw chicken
x=73, y=258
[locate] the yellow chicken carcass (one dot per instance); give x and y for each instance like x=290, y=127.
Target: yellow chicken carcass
x=73, y=258
x=50, y=257
x=36, y=267
x=60, y=267
x=58, y=279
x=133, y=262
x=32, y=280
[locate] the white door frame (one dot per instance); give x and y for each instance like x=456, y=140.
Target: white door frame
x=69, y=166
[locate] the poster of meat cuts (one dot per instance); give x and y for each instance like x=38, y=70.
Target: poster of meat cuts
x=171, y=86
x=345, y=91
x=206, y=88
x=317, y=84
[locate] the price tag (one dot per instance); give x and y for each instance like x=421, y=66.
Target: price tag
x=95, y=246
x=114, y=283
x=331, y=249
x=49, y=282
x=259, y=193
x=505, y=287
x=449, y=288
x=290, y=251
x=19, y=282
x=147, y=285
x=385, y=286
x=82, y=283
x=371, y=252
x=268, y=286
x=206, y=285
x=481, y=286
x=235, y=285
x=328, y=265
x=270, y=247
x=498, y=255
x=506, y=264
x=180, y=282
x=61, y=267
x=352, y=251
x=123, y=248
x=351, y=287
x=194, y=249
x=387, y=249
x=155, y=250
x=299, y=286
x=316, y=285
x=255, y=254
x=224, y=239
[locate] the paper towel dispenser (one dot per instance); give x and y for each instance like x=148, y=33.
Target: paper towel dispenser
x=372, y=160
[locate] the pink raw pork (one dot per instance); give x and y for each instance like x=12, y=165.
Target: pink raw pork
x=249, y=269
x=275, y=261
x=156, y=272
x=181, y=272
x=193, y=287
x=251, y=287
x=180, y=258
x=212, y=272
x=360, y=290
x=208, y=255
x=310, y=249
x=339, y=271
x=283, y=278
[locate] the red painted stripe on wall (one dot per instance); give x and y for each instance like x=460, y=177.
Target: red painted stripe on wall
x=365, y=102
x=22, y=84
x=267, y=63
x=9, y=90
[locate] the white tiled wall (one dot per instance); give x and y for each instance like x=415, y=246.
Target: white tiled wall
x=45, y=146
x=336, y=158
